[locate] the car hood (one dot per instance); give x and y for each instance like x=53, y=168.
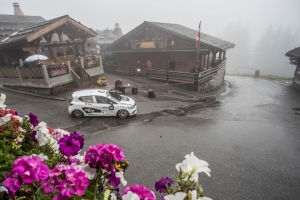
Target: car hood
x=127, y=100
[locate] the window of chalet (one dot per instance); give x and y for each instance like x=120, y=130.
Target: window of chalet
x=55, y=37
x=43, y=40
x=69, y=50
x=59, y=51
x=45, y=51
x=65, y=37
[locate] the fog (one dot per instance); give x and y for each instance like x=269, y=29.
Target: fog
x=263, y=30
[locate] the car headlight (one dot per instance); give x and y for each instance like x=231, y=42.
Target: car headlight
x=131, y=107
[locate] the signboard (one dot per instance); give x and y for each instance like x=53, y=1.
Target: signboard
x=146, y=45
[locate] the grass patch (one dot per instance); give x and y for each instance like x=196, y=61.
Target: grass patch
x=263, y=76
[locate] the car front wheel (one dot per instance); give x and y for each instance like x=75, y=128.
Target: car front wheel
x=77, y=114
x=123, y=114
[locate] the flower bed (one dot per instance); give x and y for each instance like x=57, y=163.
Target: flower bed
x=37, y=162
x=57, y=69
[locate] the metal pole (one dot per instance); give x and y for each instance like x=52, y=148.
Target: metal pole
x=198, y=49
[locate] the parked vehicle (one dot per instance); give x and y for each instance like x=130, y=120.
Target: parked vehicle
x=101, y=103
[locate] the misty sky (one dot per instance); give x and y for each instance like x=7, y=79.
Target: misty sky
x=215, y=15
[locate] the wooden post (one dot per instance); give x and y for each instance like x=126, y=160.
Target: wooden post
x=204, y=61
x=224, y=55
x=208, y=60
x=220, y=54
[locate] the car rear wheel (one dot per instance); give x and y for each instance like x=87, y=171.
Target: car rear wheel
x=77, y=114
x=123, y=114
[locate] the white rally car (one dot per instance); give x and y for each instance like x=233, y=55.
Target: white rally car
x=101, y=103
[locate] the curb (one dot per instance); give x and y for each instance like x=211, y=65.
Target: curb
x=33, y=94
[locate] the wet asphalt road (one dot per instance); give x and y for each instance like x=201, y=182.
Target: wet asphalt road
x=251, y=140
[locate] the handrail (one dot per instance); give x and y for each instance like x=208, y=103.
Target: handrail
x=76, y=78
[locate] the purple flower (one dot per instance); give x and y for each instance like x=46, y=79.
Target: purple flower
x=140, y=190
x=16, y=113
x=77, y=137
x=68, y=146
x=33, y=133
x=162, y=184
x=33, y=119
x=113, y=180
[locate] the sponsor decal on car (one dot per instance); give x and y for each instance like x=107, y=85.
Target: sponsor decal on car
x=91, y=110
x=111, y=108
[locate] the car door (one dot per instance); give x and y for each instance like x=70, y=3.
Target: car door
x=88, y=105
x=104, y=105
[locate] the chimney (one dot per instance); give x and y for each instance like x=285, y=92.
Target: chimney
x=17, y=9
x=117, y=30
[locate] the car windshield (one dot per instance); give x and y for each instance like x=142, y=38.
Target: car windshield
x=115, y=95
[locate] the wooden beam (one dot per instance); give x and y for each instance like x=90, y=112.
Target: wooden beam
x=46, y=30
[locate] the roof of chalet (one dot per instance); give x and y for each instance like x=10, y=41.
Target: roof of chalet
x=32, y=32
x=294, y=53
x=191, y=33
x=11, y=23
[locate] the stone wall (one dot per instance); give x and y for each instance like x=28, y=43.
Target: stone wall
x=214, y=82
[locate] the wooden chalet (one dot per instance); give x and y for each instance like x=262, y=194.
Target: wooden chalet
x=60, y=39
x=163, y=42
x=294, y=56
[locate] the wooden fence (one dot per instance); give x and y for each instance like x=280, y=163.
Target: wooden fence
x=119, y=69
x=22, y=72
x=31, y=72
x=9, y=72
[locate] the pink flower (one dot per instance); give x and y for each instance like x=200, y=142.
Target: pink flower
x=57, y=134
x=103, y=155
x=66, y=181
x=25, y=169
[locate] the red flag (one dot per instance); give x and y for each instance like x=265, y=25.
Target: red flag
x=198, y=36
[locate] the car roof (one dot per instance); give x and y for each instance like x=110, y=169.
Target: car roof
x=90, y=92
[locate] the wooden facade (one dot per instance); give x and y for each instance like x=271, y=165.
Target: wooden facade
x=161, y=42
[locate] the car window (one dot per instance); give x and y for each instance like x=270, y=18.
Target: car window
x=88, y=99
x=102, y=100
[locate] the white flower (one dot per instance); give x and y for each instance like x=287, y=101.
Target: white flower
x=121, y=176
x=18, y=139
x=21, y=130
x=130, y=196
x=42, y=156
x=41, y=138
x=2, y=99
x=20, y=119
x=79, y=157
x=43, y=127
x=113, y=196
x=90, y=172
x=192, y=165
x=6, y=118
x=193, y=196
x=3, y=189
x=53, y=143
x=177, y=196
